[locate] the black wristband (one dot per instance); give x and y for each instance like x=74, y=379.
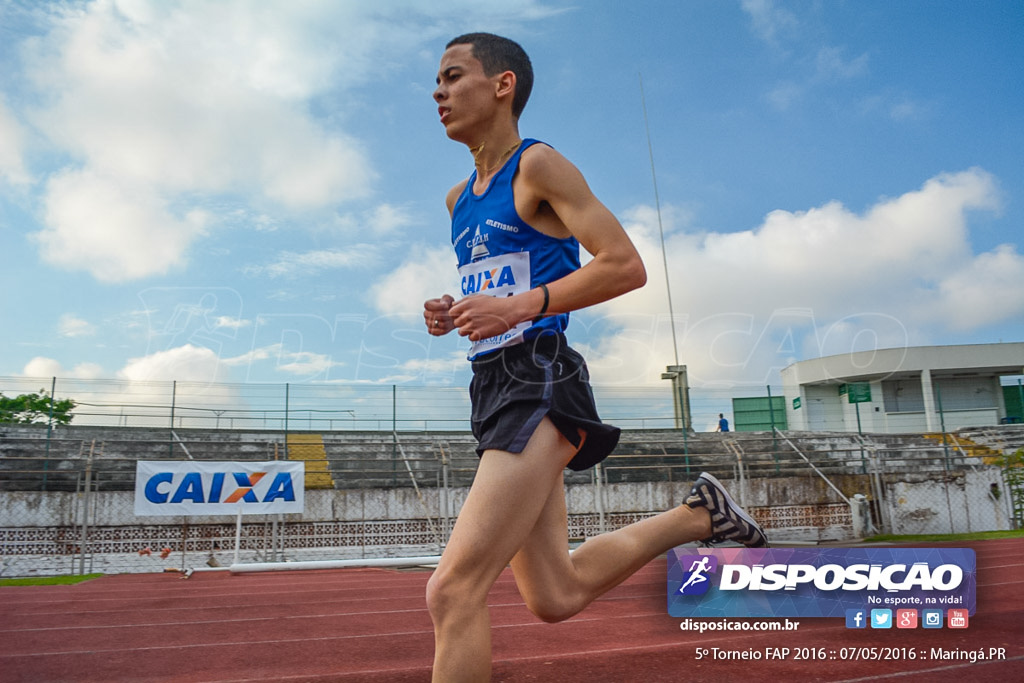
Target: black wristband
x=544, y=308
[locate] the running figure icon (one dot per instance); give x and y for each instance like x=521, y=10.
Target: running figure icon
x=697, y=571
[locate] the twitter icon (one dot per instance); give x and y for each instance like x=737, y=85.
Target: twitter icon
x=881, y=618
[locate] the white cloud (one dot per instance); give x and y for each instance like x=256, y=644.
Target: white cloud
x=386, y=219
x=113, y=230
x=445, y=365
x=142, y=392
x=427, y=274
x=293, y=264
x=905, y=108
x=784, y=95
x=808, y=283
x=382, y=220
x=830, y=67
x=198, y=98
x=984, y=290
x=232, y=323
x=305, y=363
x=165, y=106
x=833, y=66
x=12, y=148
x=255, y=355
x=41, y=366
x=70, y=325
x=770, y=21
x=186, y=363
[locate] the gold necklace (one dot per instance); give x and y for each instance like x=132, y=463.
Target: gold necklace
x=476, y=154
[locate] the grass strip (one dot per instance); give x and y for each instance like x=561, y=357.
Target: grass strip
x=49, y=580
x=937, y=538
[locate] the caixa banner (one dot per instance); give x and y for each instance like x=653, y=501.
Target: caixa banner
x=817, y=582
x=218, y=488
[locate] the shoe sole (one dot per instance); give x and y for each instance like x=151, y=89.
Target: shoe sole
x=736, y=509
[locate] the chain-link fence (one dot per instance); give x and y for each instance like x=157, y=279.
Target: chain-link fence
x=956, y=484
x=898, y=406
x=67, y=501
x=307, y=407
x=353, y=407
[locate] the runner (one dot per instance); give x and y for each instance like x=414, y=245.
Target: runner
x=517, y=224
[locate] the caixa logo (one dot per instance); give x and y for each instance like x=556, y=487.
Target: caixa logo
x=200, y=487
x=488, y=279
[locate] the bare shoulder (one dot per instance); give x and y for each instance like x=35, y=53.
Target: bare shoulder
x=453, y=195
x=546, y=176
x=542, y=163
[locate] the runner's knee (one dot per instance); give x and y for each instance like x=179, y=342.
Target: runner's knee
x=552, y=608
x=448, y=594
x=439, y=596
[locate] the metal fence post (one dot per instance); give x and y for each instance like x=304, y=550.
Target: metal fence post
x=445, y=497
x=1020, y=397
x=771, y=416
x=170, y=437
x=884, y=514
x=394, y=434
x=942, y=426
x=49, y=432
x=85, y=510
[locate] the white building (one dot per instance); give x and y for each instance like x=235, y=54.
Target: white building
x=913, y=389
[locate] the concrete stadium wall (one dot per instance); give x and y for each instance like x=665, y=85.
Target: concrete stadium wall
x=116, y=509
x=40, y=531
x=962, y=502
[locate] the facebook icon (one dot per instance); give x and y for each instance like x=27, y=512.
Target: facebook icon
x=856, y=618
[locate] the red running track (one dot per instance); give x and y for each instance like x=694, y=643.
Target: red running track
x=372, y=625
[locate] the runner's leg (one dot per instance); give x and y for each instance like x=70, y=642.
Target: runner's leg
x=508, y=495
x=516, y=512
x=556, y=584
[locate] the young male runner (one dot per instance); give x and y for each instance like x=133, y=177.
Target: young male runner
x=517, y=223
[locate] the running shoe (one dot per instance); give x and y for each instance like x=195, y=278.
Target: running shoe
x=728, y=521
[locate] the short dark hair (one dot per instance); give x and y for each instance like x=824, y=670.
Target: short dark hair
x=497, y=54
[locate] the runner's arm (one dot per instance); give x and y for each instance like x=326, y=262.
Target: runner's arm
x=616, y=267
x=435, y=311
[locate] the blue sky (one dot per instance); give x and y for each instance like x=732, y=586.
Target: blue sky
x=253, y=192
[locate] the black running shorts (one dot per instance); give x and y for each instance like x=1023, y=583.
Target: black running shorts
x=514, y=388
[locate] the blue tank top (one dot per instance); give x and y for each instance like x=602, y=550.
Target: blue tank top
x=500, y=254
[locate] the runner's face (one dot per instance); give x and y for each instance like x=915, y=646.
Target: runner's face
x=465, y=96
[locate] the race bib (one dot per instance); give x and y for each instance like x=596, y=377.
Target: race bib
x=502, y=275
